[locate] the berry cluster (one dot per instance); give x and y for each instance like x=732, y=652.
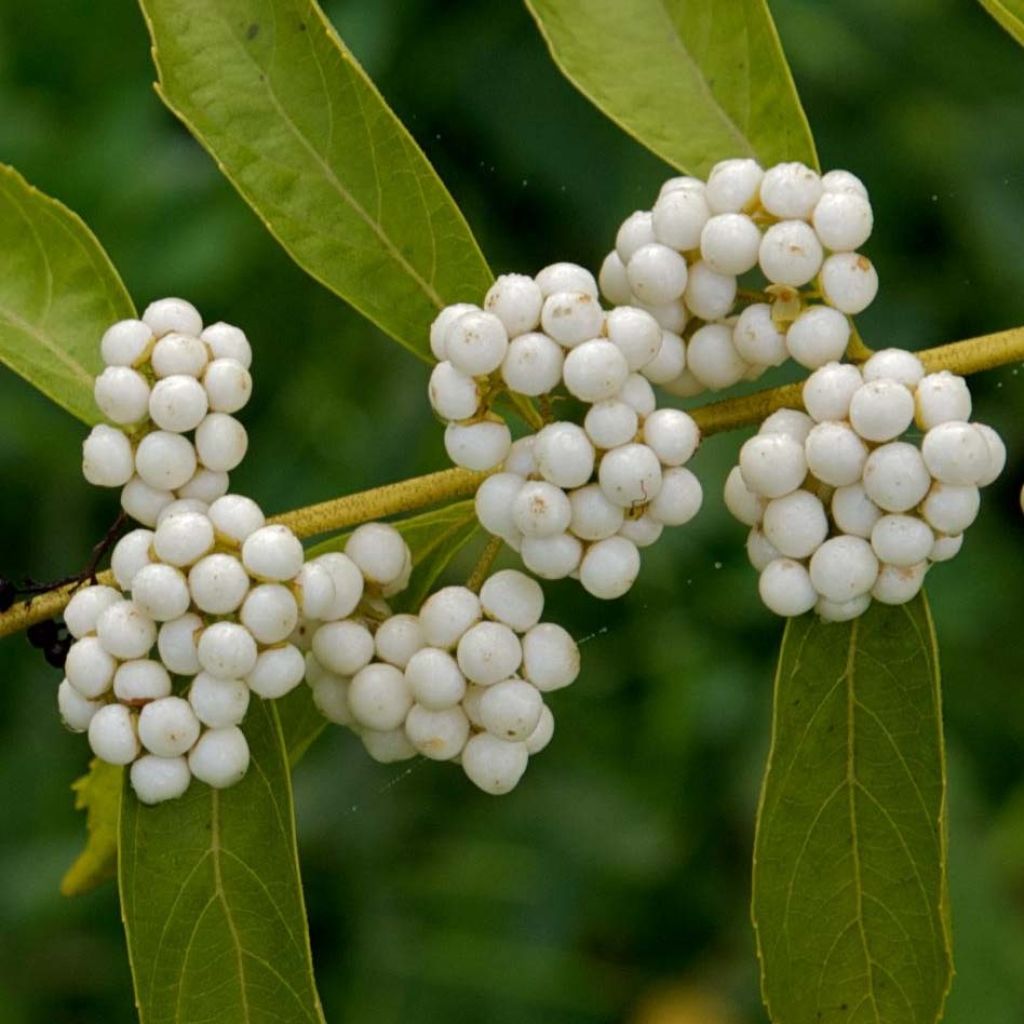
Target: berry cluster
x=204, y=580
x=213, y=605
x=166, y=376
x=463, y=680
x=681, y=261
x=574, y=499
x=841, y=510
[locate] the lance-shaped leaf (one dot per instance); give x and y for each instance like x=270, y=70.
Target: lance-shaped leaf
x=212, y=901
x=302, y=133
x=850, y=890
x=696, y=81
x=58, y=293
x=1009, y=14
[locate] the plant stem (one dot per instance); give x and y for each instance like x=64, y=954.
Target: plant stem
x=973, y=355
x=405, y=496
x=482, y=567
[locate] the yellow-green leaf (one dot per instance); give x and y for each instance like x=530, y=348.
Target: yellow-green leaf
x=850, y=889
x=1009, y=14
x=212, y=900
x=303, y=134
x=98, y=793
x=58, y=293
x=696, y=81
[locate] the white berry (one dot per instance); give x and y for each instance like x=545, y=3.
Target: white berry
x=532, y=365
x=218, y=583
x=835, y=453
x=541, y=509
x=790, y=253
x=941, y=397
x=551, y=659
x=107, y=457
x=709, y=294
x=843, y=568
x=126, y=343
x=439, y=735
x=827, y=392
x=489, y=652
x=571, y=317
x=158, y=779
x=178, y=403
x=86, y=606
x=89, y=667
x=819, y=335
x=757, y=338
x=564, y=454
x=178, y=353
x=220, y=757
x=610, y=567
x=228, y=342
x=479, y=446
x=125, y=631
x=512, y=598
x=712, y=358
x=435, y=679
x=895, y=477
x=397, y=639
x=112, y=734
x=379, y=697
x=172, y=314
x=772, y=464
x=494, y=765
x=796, y=524
x=177, y=643
x=76, y=711
x=343, y=647
x=122, y=394
x=447, y=614
x=729, y=243
x=227, y=650
x=786, y=589
x=849, y=282
x=278, y=670
x=218, y=702
x=611, y=423
x=168, y=727
x=881, y=410
x=221, y=441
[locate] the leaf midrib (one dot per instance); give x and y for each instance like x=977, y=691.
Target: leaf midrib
x=724, y=116
x=851, y=785
x=393, y=251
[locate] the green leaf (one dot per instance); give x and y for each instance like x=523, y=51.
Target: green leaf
x=434, y=538
x=58, y=293
x=212, y=901
x=850, y=890
x=98, y=793
x=696, y=81
x=303, y=134
x=1009, y=14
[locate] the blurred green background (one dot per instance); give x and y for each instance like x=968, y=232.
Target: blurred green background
x=613, y=884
